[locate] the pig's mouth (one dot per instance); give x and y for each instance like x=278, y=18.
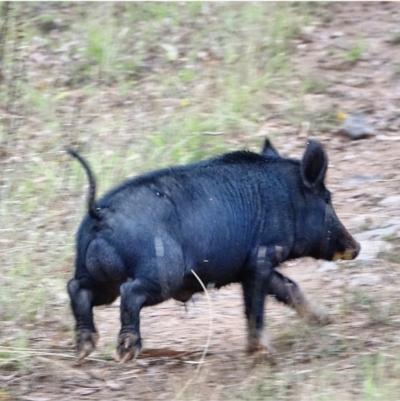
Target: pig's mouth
x=348, y=254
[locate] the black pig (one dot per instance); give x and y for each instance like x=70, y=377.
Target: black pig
x=231, y=218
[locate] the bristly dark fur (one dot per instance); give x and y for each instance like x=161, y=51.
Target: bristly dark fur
x=232, y=218
x=91, y=200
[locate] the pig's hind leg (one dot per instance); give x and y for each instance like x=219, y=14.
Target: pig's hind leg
x=134, y=296
x=84, y=294
x=288, y=292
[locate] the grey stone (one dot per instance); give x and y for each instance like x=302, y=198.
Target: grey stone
x=395, y=221
x=337, y=283
x=377, y=233
x=390, y=201
x=114, y=385
x=359, y=179
x=371, y=249
x=356, y=126
x=306, y=34
x=349, y=157
x=327, y=266
x=365, y=280
x=98, y=374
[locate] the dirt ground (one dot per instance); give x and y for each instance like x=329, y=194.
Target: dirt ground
x=197, y=352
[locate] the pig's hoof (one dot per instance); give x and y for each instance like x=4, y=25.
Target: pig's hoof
x=262, y=349
x=316, y=316
x=319, y=317
x=313, y=314
x=85, y=343
x=129, y=346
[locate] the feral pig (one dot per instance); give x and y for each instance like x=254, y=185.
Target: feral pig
x=231, y=218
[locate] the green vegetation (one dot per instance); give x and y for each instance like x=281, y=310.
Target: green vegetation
x=138, y=86
x=366, y=378
x=133, y=87
x=355, y=53
x=313, y=84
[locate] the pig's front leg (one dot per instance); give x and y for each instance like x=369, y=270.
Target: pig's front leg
x=255, y=289
x=287, y=291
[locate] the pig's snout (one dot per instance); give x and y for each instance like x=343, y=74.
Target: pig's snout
x=349, y=253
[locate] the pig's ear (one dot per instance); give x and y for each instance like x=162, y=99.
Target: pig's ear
x=268, y=149
x=313, y=165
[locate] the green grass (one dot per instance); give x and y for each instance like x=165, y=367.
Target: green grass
x=355, y=52
x=249, y=47
x=365, y=378
x=313, y=84
x=145, y=86
x=10, y=358
x=132, y=93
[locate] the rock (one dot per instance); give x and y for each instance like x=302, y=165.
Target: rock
x=327, y=267
x=359, y=179
x=336, y=34
x=395, y=221
x=365, y=280
x=337, y=283
x=387, y=138
x=97, y=374
x=113, y=385
x=356, y=127
x=393, y=200
x=394, y=39
x=306, y=34
x=393, y=128
x=301, y=46
x=349, y=157
x=203, y=55
x=377, y=233
x=371, y=249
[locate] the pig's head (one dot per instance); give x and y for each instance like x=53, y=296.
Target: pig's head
x=319, y=232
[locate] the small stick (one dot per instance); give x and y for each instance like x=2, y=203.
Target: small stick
x=210, y=308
